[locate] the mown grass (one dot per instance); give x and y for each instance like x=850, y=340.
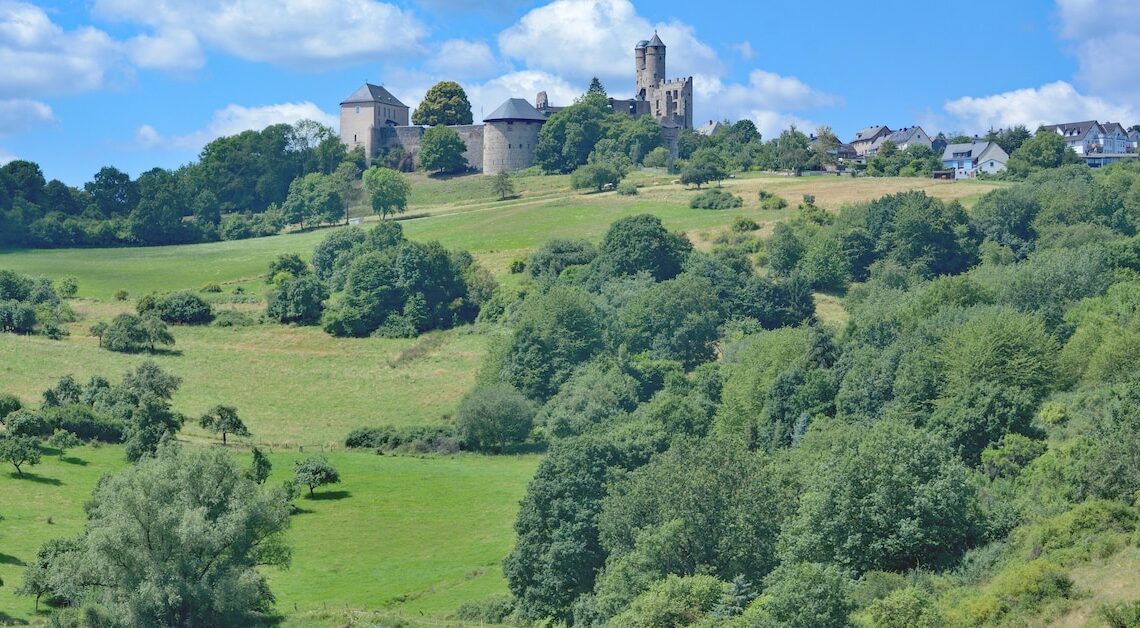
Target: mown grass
x=408, y=535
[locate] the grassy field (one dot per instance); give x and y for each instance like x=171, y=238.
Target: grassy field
x=413, y=536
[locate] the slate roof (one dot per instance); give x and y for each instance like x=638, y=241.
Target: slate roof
x=656, y=42
x=1109, y=127
x=369, y=93
x=868, y=133
x=515, y=109
x=644, y=43
x=1073, y=130
x=709, y=128
x=903, y=136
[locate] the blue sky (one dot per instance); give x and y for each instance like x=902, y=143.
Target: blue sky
x=144, y=83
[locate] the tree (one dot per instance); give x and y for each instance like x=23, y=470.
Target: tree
x=557, y=254
x=63, y=440
x=640, y=243
x=677, y=319
x=441, y=150
x=826, y=146
x=313, y=199
x=314, y=472
x=803, y=595
x=495, y=414
x=387, y=189
x=566, y=140
x=8, y=404
x=794, y=150
x=444, y=103
x=223, y=420
x=152, y=422
x=19, y=450
x=259, y=466
x=112, y=192
x=704, y=166
x=594, y=176
x=174, y=540
x=127, y=333
x=298, y=300
x=596, y=88
x=674, y=601
x=503, y=186
x=556, y=332
x=1044, y=150
x=784, y=249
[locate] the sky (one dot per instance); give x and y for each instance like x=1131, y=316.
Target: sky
x=143, y=83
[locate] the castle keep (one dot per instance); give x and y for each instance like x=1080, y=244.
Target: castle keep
x=375, y=120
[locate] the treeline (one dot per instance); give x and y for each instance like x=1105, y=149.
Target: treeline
x=236, y=189
x=719, y=457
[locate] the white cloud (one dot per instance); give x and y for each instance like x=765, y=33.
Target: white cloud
x=1106, y=39
x=301, y=33
x=485, y=97
x=232, y=120
x=578, y=39
x=5, y=156
x=21, y=114
x=768, y=100
x=744, y=49
x=1034, y=106
x=460, y=58
x=38, y=57
x=176, y=49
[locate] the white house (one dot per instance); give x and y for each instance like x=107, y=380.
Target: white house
x=864, y=138
x=1083, y=137
x=967, y=160
x=1114, y=139
x=903, y=138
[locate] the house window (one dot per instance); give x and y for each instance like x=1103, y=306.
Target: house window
x=358, y=109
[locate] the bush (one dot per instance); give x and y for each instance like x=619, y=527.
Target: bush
x=518, y=265
x=555, y=255
x=594, y=176
x=744, y=224
x=121, y=295
x=438, y=439
x=182, y=307
x=495, y=610
x=627, y=188
x=771, y=201
x=8, y=405
x=716, y=199
x=233, y=318
x=211, y=288
x=67, y=287
x=298, y=299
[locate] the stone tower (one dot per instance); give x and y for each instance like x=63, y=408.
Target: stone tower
x=649, y=57
x=510, y=136
x=365, y=113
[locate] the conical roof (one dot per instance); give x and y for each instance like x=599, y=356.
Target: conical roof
x=656, y=41
x=515, y=109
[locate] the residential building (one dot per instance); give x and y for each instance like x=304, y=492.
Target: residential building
x=1082, y=137
x=903, y=139
x=710, y=128
x=1133, y=140
x=968, y=160
x=365, y=112
x=1113, y=139
x=864, y=138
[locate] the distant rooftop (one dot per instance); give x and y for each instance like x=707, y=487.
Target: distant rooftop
x=515, y=109
x=369, y=93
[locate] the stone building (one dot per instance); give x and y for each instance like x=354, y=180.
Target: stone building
x=365, y=112
x=510, y=135
x=376, y=120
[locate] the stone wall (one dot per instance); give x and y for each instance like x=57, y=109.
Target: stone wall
x=409, y=137
x=472, y=135
x=509, y=145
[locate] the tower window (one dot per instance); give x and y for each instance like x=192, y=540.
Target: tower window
x=358, y=109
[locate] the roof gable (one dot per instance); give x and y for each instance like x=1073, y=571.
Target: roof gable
x=870, y=133
x=369, y=93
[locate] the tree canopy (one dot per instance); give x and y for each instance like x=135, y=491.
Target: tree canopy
x=444, y=103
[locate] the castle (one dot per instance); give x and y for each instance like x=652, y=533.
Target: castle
x=374, y=119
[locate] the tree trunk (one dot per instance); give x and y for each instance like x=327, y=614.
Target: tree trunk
x=223, y=438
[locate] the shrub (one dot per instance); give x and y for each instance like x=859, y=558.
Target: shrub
x=495, y=610
x=233, y=318
x=421, y=439
x=183, y=307
x=518, y=265
x=1123, y=615
x=555, y=255
x=211, y=288
x=716, y=199
x=67, y=287
x=910, y=607
x=744, y=224
x=627, y=188
x=595, y=176
x=121, y=295
x=298, y=299
x=8, y=405
x=771, y=201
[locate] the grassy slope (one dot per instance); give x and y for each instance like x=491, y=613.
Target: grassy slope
x=387, y=538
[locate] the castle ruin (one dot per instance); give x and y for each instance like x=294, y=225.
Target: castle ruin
x=375, y=120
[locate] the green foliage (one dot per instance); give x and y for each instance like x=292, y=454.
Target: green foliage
x=223, y=420
x=314, y=199
x=658, y=158
x=674, y=601
x=183, y=307
x=557, y=254
x=503, y=186
x=802, y=595
x=887, y=497
x=715, y=199
x=704, y=166
x=62, y=440
x=127, y=333
x=441, y=439
x=675, y=319
x=595, y=177
x=387, y=190
x=1122, y=615
x=67, y=287
x=909, y=607
x=627, y=188
x=793, y=150
x=183, y=521
x=444, y=103
x=596, y=392
x=298, y=300
x=494, y=610
x=771, y=202
x=1046, y=149
x=744, y=224
x=568, y=137
x=19, y=450
x=1007, y=457
x=8, y=404
x=640, y=243
x=259, y=466
x=315, y=471
x=441, y=150
x=556, y=332
x=785, y=250
x=494, y=416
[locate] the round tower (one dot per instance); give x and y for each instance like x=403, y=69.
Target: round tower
x=639, y=68
x=655, y=61
x=510, y=136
